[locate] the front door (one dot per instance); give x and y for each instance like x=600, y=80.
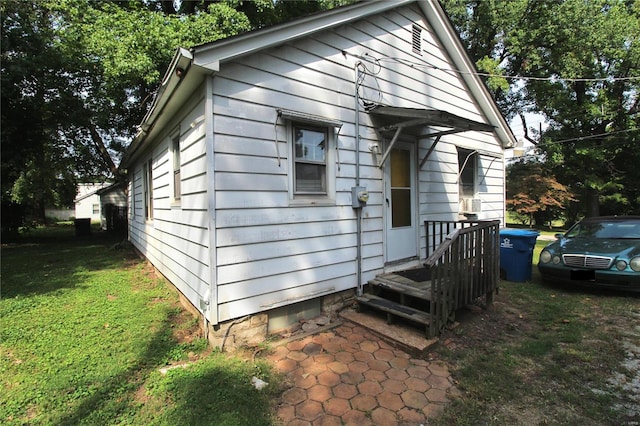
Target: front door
x=400, y=193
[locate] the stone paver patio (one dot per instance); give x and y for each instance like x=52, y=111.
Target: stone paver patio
x=347, y=375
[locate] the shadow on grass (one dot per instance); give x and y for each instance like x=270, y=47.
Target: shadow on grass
x=115, y=397
x=211, y=391
x=47, y=260
x=591, y=290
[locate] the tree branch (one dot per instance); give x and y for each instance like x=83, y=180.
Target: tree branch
x=526, y=130
x=102, y=149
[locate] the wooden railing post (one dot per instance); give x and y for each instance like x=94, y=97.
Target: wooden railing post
x=464, y=266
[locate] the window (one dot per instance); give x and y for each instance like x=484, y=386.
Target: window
x=468, y=166
x=310, y=160
x=175, y=152
x=148, y=189
x=400, y=162
x=96, y=208
x=132, y=191
x=313, y=155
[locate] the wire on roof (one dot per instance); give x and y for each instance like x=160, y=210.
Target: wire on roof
x=483, y=74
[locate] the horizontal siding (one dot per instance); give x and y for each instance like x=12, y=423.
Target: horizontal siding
x=280, y=234
x=291, y=290
x=242, y=254
x=176, y=241
x=243, y=272
x=115, y=197
x=269, y=250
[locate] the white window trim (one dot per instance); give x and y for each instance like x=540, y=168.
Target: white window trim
x=472, y=157
x=175, y=202
x=329, y=198
x=134, y=196
x=147, y=190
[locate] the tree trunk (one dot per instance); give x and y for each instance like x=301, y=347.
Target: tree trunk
x=102, y=149
x=593, y=202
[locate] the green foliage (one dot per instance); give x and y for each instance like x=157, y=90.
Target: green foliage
x=534, y=194
x=545, y=354
x=78, y=76
x=84, y=332
x=594, y=125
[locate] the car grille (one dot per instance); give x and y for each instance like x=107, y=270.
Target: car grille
x=586, y=261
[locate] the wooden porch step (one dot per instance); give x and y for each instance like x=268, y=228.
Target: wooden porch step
x=394, y=283
x=393, y=308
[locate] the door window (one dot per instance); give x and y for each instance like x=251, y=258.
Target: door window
x=400, y=188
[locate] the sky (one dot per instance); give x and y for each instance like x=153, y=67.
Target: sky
x=533, y=121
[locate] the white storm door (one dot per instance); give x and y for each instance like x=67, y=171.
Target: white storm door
x=400, y=193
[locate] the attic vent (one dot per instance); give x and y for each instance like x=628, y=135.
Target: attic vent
x=416, y=40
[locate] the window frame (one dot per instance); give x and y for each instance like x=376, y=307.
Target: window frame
x=176, y=167
x=147, y=189
x=467, y=158
x=309, y=197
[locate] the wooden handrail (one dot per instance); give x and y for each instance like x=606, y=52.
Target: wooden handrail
x=464, y=267
x=448, y=240
x=442, y=248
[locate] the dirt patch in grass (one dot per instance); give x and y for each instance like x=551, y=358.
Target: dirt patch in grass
x=540, y=355
x=478, y=326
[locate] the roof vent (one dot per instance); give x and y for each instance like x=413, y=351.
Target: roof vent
x=416, y=39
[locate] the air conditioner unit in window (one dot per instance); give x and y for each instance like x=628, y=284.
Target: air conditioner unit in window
x=471, y=205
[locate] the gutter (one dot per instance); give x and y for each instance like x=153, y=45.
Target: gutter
x=178, y=69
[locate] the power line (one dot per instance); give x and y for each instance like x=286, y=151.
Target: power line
x=581, y=138
x=512, y=77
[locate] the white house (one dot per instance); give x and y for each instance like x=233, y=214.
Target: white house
x=87, y=202
x=113, y=207
x=279, y=170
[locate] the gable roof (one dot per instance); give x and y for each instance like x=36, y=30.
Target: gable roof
x=110, y=188
x=188, y=67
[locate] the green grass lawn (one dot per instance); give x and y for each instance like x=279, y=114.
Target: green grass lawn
x=546, y=354
x=84, y=329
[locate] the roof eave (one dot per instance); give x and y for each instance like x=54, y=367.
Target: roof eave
x=243, y=44
x=442, y=25
x=177, y=71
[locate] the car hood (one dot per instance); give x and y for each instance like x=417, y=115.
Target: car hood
x=599, y=246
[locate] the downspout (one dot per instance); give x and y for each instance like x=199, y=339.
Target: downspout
x=211, y=313
x=358, y=211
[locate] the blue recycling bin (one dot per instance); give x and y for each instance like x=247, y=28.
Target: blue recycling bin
x=516, y=253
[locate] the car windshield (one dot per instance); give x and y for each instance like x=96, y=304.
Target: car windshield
x=606, y=229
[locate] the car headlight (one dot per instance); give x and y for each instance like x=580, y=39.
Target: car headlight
x=621, y=265
x=545, y=257
x=556, y=259
x=635, y=263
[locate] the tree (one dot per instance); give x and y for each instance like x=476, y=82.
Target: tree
x=535, y=196
x=79, y=75
x=77, y=78
x=578, y=63
x=32, y=108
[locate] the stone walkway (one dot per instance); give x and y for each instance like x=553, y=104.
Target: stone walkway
x=348, y=376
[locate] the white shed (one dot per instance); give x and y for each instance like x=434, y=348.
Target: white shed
x=289, y=165
x=113, y=207
x=87, y=202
